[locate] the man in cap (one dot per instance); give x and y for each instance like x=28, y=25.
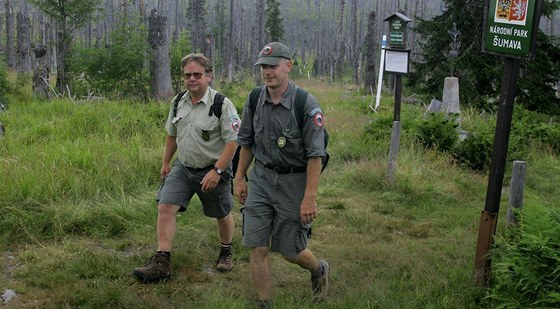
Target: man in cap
x=281, y=205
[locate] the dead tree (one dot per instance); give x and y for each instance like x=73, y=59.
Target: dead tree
x=41, y=73
x=23, y=63
x=161, y=87
x=10, y=53
x=369, y=79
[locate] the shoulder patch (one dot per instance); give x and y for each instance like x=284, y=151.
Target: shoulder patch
x=235, y=122
x=318, y=119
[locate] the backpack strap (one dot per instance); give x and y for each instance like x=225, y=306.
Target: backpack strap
x=254, y=97
x=216, y=107
x=176, y=102
x=301, y=97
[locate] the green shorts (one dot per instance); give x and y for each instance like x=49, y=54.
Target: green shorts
x=271, y=213
x=182, y=183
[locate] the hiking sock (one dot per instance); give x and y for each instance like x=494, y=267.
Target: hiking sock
x=168, y=253
x=319, y=272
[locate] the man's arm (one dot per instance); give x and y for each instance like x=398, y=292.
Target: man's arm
x=308, y=207
x=245, y=158
x=169, y=151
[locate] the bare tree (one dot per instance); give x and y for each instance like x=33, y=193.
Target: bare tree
x=230, y=51
x=354, y=52
x=23, y=43
x=41, y=73
x=369, y=80
x=10, y=53
x=160, y=72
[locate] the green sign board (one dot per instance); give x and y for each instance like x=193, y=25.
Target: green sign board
x=396, y=35
x=510, y=27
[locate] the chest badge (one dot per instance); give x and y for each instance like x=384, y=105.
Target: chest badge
x=205, y=135
x=281, y=142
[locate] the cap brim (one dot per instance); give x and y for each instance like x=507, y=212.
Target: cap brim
x=268, y=60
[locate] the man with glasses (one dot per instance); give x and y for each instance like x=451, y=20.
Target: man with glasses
x=206, y=145
x=281, y=201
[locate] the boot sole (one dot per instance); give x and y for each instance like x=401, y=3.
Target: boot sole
x=155, y=278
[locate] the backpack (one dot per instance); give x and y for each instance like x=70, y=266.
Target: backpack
x=216, y=110
x=301, y=97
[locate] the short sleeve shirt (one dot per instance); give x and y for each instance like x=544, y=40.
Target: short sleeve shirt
x=273, y=133
x=201, y=138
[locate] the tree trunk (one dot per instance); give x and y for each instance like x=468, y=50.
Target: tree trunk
x=10, y=53
x=370, y=43
x=230, y=51
x=23, y=44
x=355, y=52
x=41, y=73
x=161, y=86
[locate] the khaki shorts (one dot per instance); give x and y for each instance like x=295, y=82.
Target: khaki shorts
x=182, y=183
x=271, y=213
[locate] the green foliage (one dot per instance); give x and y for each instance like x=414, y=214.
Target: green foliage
x=438, y=131
x=117, y=70
x=273, y=24
x=179, y=49
x=475, y=151
x=4, y=83
x=526, y=262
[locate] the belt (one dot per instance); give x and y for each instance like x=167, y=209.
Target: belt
x=199, y=169
x=286, y=170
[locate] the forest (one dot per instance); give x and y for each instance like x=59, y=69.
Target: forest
x=335, y=40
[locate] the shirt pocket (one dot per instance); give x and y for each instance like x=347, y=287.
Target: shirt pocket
x=207, y=130
x=294, y=142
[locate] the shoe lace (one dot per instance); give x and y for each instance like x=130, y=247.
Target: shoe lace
x=224, y=257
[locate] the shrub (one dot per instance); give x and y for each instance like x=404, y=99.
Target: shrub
x=4, y=84
x=526, y=262
x=437, y=131
x=475, y=151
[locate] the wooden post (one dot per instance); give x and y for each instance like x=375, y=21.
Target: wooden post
x=489, y=216
x=393, y=151
x=516, y=192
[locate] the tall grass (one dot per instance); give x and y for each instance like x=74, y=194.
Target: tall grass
x=78, y=214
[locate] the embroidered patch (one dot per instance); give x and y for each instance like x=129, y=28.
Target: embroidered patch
x=318, y=119
x=267, y=50
x=235, y=122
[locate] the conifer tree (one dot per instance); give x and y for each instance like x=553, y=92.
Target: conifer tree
x=480, y=74
x=273, y=25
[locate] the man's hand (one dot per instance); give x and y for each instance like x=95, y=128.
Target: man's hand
x=210, y=181
x=308, y=210
x=240, y=192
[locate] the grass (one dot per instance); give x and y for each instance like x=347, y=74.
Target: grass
x=78, y=214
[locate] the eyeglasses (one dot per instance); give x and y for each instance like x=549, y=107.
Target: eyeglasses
x=197, y=75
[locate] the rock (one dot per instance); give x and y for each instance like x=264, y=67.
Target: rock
x=8, y=295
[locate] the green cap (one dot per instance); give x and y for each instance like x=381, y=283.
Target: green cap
x=272, y=53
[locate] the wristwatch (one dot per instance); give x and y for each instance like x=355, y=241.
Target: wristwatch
x=218, y=170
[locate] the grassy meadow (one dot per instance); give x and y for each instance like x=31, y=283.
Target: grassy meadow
x=77, y=187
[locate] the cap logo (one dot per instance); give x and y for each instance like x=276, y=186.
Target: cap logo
x=267, y=50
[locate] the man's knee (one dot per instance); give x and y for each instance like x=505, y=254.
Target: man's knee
x=167, y=211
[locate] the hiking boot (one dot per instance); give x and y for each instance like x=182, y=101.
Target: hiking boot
x=158, y=267
x=320, y=284
x=225, y=262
